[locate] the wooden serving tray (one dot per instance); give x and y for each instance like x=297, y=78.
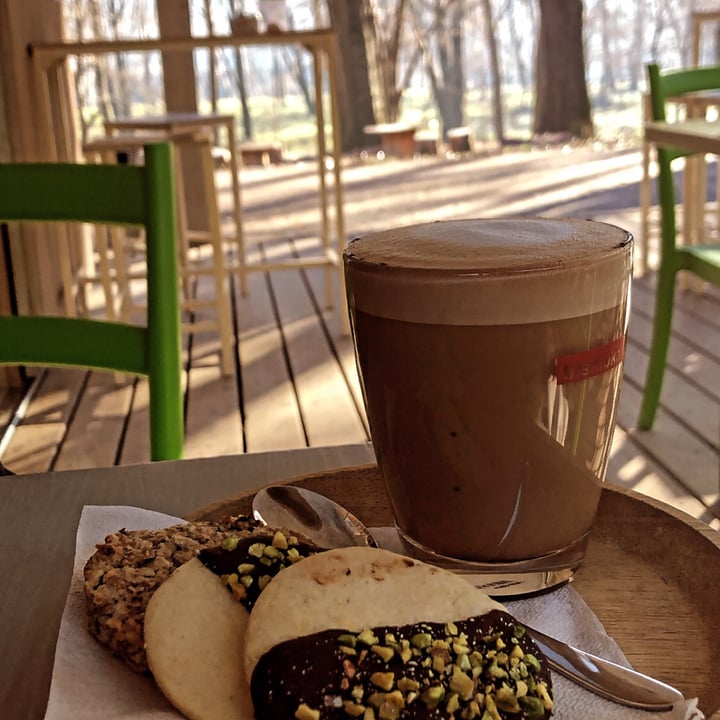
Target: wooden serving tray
x=651, y=575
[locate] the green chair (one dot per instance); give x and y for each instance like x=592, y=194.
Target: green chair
x=107, y=194
x=701, y=260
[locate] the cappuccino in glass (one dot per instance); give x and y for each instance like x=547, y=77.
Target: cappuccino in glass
x=490, y=354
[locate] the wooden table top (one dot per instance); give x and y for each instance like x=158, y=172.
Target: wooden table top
x=670, y=559
x=170, y=121
x=39, y=515
x=695, y=135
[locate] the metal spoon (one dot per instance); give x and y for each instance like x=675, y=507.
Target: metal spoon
x=330, y=525
x=320, y=519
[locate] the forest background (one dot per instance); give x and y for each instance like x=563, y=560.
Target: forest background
x=511, y=71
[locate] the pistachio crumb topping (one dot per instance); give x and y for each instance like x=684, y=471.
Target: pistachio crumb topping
x=482, y=668
x=306, y=713
x=246, y=565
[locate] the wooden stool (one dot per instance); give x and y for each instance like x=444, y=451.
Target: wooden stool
x=426, y=142
x=460, y=140
x=116, y=281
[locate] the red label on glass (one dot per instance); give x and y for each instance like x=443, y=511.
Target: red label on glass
x=585, y=364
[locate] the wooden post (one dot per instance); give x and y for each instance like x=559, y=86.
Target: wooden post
x=22, y=138
x=180, y=96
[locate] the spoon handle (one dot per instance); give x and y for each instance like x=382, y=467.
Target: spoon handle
x=607, y=679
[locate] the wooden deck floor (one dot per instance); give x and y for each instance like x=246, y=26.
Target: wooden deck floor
x=295, y=383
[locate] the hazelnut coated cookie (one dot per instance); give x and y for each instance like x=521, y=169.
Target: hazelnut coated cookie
x=128, y=567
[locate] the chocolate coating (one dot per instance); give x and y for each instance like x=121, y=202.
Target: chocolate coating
x=319, y=671
x=226, y=562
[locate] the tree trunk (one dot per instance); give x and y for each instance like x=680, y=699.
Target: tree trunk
x=235, y=67
x=608, y=45
x=294, y=63
x=351, y=19
x=637, y=51
x=442, y=48
x=561, y=101
x=242, y=91
x=212, y=60
x=495, y=70
x=516, y=47
x=387, y=52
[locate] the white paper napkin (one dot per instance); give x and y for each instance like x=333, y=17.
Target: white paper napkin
x=88, y=683
x=565, y=615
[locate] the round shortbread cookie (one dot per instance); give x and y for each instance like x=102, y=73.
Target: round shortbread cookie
x=128, y=567
x=194, y=635
x=195, y=622
x=362, y=632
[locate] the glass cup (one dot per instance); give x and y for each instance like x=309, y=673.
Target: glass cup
x=490, y=354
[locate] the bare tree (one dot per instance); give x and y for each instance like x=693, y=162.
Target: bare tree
x=353, y=22
x=391, y=27
x=666, y=24
x=295, y=62
x=212, y=59
x=103, y=84
x=438, y=28
x=561, y=101
x=234, y=64
x=636, y=48
x=495, y=71
x=607, y=41
x=516, y=42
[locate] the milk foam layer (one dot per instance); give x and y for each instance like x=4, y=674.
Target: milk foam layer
x=489, y=271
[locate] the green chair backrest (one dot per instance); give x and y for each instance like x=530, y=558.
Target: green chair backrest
x=107, y=194
x=665, y=86
x=673, y=84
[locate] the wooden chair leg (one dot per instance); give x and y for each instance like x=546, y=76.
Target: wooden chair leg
x=664, y=300
x=220, y=275
x=103, y=252
x=645, y=209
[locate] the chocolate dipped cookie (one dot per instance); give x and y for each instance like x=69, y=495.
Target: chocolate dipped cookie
x=366, y=633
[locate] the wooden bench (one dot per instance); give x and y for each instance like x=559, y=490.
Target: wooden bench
x=396, y=139
x=258, y=153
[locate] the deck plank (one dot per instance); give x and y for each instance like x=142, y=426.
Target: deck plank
x=270, y=406
x=99, y=417
x=36, y=439
x=687, y=458
x=213, y=424
x=328, y=409
x=691, y=377
x=691, y=360
x=684, y=438
x=335, y=324
x=682, y=394
x=136, y=443
x=630, y=468
x=9, y=401
x=693, y=320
